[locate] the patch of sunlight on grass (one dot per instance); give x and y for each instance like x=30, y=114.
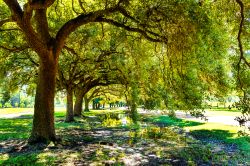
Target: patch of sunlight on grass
x=169, y=121
x=14, y=128
x=211, y=126
x=223, y=109
x=60, y=109
x=74, y=155
x=3, y=157
x=97, y=112
x=5, y=111
x=46, y=157
x=23, y=159
x=222, y=113
x=64, y=125
x=60, y=114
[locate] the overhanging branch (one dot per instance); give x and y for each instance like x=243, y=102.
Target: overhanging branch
x=41, y=4
x=80, y=20
x=2, y=22
x=143, y=32
x=242, y=57
x=14, y=49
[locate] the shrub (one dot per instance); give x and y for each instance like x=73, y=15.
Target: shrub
x=22, y=105
x=8, y=105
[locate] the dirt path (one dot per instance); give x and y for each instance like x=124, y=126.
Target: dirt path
x=211, y=117
x=222, y=117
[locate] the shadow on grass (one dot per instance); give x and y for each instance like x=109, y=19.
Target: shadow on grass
x=26, y=154
x=23, y=159
x=223, y=136
x=15, y=128
x=211, y=134
x=169, y=121
x=24, y=117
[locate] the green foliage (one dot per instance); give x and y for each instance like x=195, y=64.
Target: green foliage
x=8, y=105
x=22, y=105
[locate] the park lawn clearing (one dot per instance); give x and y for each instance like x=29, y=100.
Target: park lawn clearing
x=8, y=111
x=221, y=112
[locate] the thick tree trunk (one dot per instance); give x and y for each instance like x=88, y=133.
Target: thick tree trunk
x=69, y=113
x=43, y=129
x=78, y=104
x=86, y=104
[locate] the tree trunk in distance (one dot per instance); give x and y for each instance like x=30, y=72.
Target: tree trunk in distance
x=78, y=103
x=69, y=111
x=43, y=129
x=86, y=104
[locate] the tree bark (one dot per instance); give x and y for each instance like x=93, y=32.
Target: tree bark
x=43, y=129
x=78, y=103
x=86, y=104
x=69, y=112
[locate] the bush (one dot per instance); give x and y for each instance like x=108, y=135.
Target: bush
x=171, y=113
x=16, y=104
x=7, y=105
x=22, y=105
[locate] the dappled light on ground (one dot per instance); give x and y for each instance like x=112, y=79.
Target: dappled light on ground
x=100, y=139
x=168, y=121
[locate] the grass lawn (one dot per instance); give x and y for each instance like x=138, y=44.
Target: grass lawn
x=223, y=109
x=5, y=111
x=222, y=112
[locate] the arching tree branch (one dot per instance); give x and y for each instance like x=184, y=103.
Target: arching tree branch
x=240, y=3
x=82, y=19
x=149, y=35
x=2, y=22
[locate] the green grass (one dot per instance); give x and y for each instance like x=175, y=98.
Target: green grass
x=14, y=129
x=98, y=112
x=222, y=113
x=37, y=158
x=26, y=159
x=168, y=121
x=223, y=109
x=225, y=133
